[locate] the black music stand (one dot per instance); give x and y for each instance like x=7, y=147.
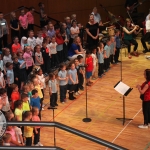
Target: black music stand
x=124, y=90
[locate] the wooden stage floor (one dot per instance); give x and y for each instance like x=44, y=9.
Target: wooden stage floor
x=104, y=106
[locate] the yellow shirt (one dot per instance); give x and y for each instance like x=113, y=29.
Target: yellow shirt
x=18, y=112
x=26, y=106
x=38, y=88
x=28, y=131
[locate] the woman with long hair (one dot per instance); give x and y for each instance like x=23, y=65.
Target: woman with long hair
x=128, y=37
x=144, y=90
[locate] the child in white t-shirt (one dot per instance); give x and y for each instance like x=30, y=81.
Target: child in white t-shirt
x=39, y=39
x=54, y=56
x=31, y=40
x=94, y=63
x=19, y=134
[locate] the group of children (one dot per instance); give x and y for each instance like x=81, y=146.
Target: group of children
x=23, y=70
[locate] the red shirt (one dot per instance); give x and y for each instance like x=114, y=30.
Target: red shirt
x=14, y=97
x=89, y=63
x=147, y=92
x=16, y=48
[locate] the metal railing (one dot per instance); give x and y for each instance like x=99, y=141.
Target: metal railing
x=68, y=129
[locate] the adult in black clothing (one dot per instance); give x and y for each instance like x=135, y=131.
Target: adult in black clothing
x=92, y=30
x=14, y=25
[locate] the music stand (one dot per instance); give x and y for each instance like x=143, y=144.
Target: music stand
x=124, y=90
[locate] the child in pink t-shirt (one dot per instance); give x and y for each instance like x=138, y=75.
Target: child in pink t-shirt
x=28, y=59
x=30, y=18
x=23, y=23
x=35, y=117
x=16, y=47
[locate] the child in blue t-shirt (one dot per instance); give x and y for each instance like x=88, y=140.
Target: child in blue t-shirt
x=107, y=55
x=100, y=56
x=35, y=101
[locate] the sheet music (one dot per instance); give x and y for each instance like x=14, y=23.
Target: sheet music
x=122, y=88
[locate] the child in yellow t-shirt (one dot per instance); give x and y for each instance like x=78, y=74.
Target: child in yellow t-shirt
x=28, y=130
x=25, y=106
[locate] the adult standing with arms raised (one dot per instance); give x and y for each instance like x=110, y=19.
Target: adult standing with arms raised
x=92, y=30
x=145, y=96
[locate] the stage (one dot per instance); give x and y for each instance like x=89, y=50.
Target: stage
x=104, y=106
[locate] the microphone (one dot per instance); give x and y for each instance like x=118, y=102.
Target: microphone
x=52, y=108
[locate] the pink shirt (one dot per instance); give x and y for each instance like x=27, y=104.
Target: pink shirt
x=23, y=20
x=13, y=135
x=30, y=17
x=28, y=59
x=36, y=118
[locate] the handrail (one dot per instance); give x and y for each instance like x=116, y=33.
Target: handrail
x=39, y=13
x=29, y=148
x=71, y=130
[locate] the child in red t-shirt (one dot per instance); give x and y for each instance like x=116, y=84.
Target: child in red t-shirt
x=89, y=67
x=16, y=47
x=14, y=95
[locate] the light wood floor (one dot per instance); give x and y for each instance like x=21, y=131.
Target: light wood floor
x=104, y=106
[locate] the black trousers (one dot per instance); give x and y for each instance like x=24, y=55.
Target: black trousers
x=65, y=51
x=28, y=141
x=23, y=32
x=36, y=136
x=81, y=80
x=129, y=42
x=112, y=58
x=60, y=56
x=146, y=111
x=29, y=70
x=106, y=63
x=53, y=99
x=54, y=60
x=117, y=54
x=30, y=27
x=63, y=92
x=3, y=41
x=14, y=34
x=100, y=69
x=145, y=39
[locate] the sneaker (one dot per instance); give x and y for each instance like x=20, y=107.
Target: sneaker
x=43, y=105
x=78, y=92
x=43, y=109
x=36, y=145
x=143, y=126
x=62, y=102
x=40, y=144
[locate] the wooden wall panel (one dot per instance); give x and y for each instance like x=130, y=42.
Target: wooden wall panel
x=59, y=9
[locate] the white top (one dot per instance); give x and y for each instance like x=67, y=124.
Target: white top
x=7, y=106
x=6, y=144
x=53, y=48
x=97, y=17
x=32, y=42
x=148, y=25
x=147, y=17
x=39, y=41
x=1, y=65
x=94, y=59
x=1, y=79
x=40, y=58
x=42, y=80
x=7, y=59
x=74, y=30
x=18, y=132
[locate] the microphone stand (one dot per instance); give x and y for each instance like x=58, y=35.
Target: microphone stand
x=86, y=119
x=53, y=108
